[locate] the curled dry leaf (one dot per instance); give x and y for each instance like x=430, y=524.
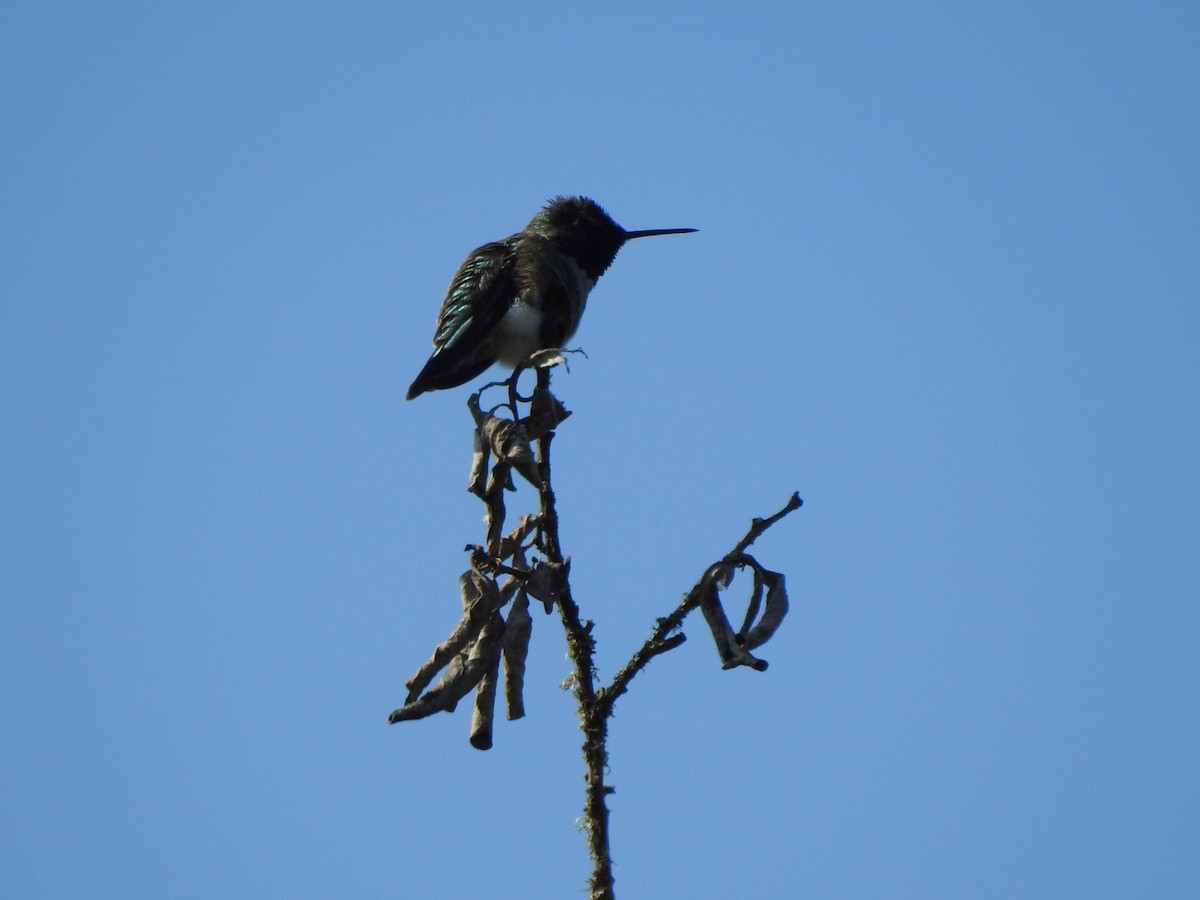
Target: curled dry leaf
x=510, y=445
x=546, y=359
x=477, y=480
x=774, y=611
x=545, y=413
x=480, y=599
x=486, y=655
x=545, y=582
x=516, y=649
x=731, y=647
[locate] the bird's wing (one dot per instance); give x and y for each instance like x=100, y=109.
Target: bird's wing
x=480, y=293
x=477, y=299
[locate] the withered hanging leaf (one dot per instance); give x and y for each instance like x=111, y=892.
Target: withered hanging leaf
x=512, y=544
x=728, y=647
x=776, y=608
x=464, y=673
x=545, y=413
x=755, y=603
x=510, y=444
x=545, y=582
x=484, y=714
x=519, y=627
x=454, y=684
x=493, y=501
x=480, y=598
x=479, y=459
x=487, y=650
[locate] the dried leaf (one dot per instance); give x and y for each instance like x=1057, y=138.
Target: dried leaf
x=729, y=648
x=480, y=598
x=479, y=460
x=776, y=608
x=545, y=359
x=516, y=649
x=545, y=413
x=545, y=583
x=510, y=445
x=755, y=599
x=487, y=651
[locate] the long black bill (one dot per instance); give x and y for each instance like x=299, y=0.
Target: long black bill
x=650, y=232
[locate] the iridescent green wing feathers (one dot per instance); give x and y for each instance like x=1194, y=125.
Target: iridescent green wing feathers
x=478, y=297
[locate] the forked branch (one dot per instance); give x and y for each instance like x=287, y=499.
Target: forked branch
x=528, y=562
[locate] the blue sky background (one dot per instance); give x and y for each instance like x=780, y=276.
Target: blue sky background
x=945, y=286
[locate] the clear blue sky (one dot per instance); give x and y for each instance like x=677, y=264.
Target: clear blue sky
x=946, y=286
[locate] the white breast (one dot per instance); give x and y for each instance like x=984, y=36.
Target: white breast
x=517, y=334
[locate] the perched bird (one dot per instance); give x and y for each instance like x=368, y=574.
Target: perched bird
x=525, y=293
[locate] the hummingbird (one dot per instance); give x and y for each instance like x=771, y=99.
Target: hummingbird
x=513, y=297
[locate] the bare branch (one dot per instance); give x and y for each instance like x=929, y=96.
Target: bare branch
x=501, y=574
x=758, y=526
x=666, y=635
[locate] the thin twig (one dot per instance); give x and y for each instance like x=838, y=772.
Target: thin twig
x=758, y=526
